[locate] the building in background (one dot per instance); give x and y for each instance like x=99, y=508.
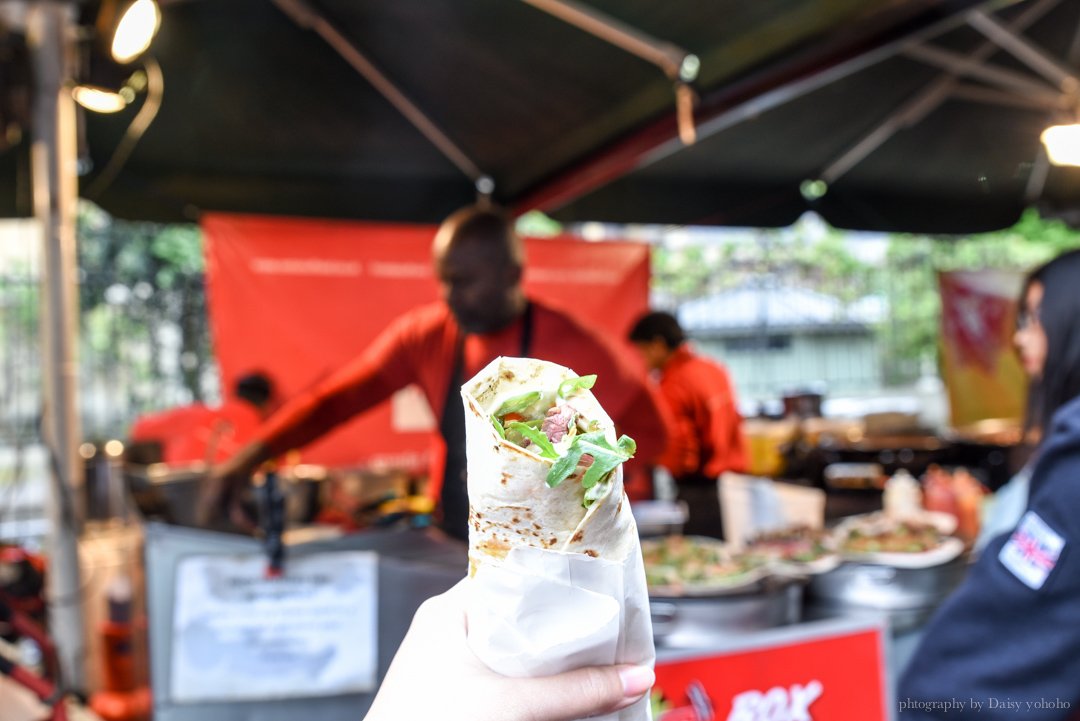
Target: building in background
x=777, y=340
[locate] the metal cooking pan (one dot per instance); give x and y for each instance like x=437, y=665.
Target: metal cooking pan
x=705, y=621
x=906, y=595
x=170, y=493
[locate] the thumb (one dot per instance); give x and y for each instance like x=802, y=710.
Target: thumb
x=584, y=692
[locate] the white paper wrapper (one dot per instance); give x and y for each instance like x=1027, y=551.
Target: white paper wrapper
x=555, y=586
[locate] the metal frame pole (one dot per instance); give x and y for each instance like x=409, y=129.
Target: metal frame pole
x=1026, y=52
x=305, y=16
x=935, y=93
x=719, y=110
x=677, y=63
x=54, y=157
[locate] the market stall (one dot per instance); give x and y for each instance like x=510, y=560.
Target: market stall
x=769, y=628
x=787, y=587
x=784, y=605
x=889, y=455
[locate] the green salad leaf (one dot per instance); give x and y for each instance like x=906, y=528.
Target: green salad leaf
x=572, y=385
x=606, y=458
x=658, y=703
x=517, y=403
x=536, y=436
x=597, y=492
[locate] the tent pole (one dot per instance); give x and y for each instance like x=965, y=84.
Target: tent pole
x=935, y=93
x=681, y=66
x=1024, y=51
x=53, y=152
x=721, y=109
x=992, y=96
x=677, y=63
x=956, y=64
x=1040, y=169
x=305, y=16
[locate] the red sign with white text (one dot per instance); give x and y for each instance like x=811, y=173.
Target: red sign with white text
x=298, y=297
x=832, y=677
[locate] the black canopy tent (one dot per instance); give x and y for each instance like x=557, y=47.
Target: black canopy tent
x=259, y=113
x=929, y=134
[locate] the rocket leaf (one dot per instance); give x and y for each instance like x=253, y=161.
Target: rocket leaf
x=517, y=404
x=536, y=436
x=606, y=458
x=572, y=385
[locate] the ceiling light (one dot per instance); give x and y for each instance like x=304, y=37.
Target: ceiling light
x=98, y=99
x=135, y=29
x=1062, y=143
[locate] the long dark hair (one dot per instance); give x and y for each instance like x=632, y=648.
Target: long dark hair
x=1059, y=316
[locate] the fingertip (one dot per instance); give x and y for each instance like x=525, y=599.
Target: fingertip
x=636, y=680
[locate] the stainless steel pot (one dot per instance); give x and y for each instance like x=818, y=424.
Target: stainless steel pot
x=877, y=586
x=907, y=596
x=703, y=622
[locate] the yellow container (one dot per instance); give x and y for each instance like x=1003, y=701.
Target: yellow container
x=766, y=440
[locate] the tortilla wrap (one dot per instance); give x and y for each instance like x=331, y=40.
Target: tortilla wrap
x=555, y=585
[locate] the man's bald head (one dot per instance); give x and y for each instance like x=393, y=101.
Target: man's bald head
x=489, y=227
x=479, y=260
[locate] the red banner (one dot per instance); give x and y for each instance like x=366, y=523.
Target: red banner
x=297, y=298
x=836, y=675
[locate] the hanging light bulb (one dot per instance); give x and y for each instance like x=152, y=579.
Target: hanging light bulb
x=1062, y=143
x=105, y=97
x=99, y=100
x=135, y=30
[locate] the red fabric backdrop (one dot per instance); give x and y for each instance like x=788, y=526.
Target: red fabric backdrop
x=298, y=297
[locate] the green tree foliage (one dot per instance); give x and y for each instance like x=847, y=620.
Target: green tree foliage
x=799, y=257
x=909, y=280
x=823, y=260
x=20, y=371
x=142, y=300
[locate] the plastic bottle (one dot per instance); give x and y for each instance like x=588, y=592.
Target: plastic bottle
x=969, y=497
x=118, y=636
x=940, y=495
x=123, y=699
x=902, y=497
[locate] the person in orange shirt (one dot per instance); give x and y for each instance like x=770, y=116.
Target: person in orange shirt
x=200, y=433
x=707, y=437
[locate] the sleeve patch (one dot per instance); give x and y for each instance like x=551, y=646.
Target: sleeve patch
x=1032, y=551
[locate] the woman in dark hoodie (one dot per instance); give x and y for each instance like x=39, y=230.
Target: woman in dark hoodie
x=1007, y=642
x=1047, y=341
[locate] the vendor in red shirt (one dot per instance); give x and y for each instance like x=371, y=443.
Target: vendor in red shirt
x=484, y=314
x=707, y=436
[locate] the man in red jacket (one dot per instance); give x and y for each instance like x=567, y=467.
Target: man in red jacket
x=706, y=436
x=484, y=314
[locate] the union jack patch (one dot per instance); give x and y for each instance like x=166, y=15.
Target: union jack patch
x=1032, y=551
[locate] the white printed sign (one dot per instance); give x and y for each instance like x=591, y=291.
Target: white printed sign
x=239, y=635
